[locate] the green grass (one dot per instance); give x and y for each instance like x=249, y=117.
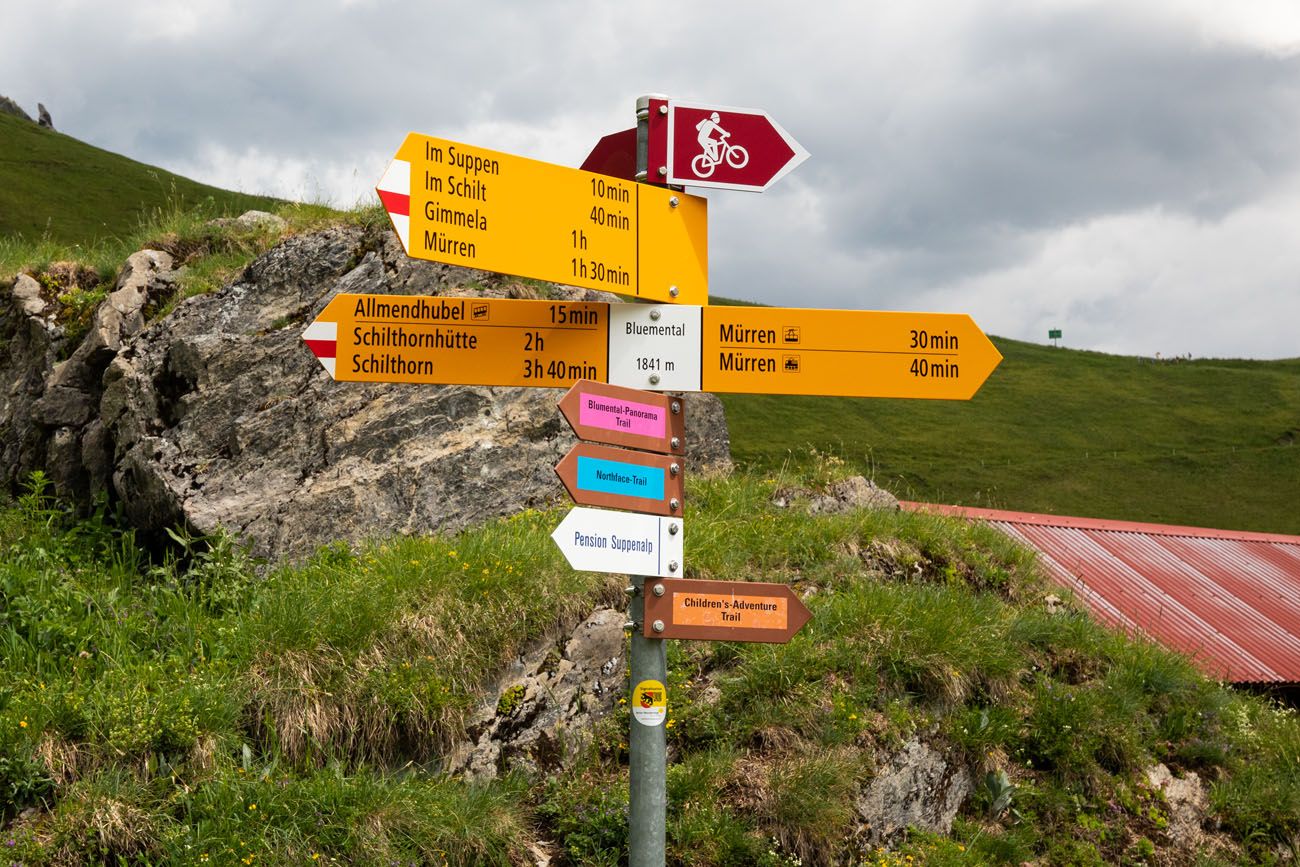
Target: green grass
x=1206, y=443
x=55, y=188
x=202, y=711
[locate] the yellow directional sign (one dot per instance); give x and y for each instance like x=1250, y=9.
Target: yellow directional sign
x=466, y=205
x=460, y=341
x=664, y=347
x=849, y=353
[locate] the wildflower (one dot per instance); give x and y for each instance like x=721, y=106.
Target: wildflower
x=961, y=848
x=451, y=554
x=22, y=724
x=853, y=716
x=252, y=806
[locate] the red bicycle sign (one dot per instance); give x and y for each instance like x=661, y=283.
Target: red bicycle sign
x=716, y=150
x=726, y=148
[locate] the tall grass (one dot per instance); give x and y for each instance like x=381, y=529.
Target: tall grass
x=203, y=709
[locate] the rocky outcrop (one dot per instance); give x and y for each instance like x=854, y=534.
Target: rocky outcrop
x=216, y=415
x=1188, y=806
x=8, y=106
x=79, y=456
x=540, y=715
x=43, y=116
x=31, y=341
x=916, y=787
x=845, y=495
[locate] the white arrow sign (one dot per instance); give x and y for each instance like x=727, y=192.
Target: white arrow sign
x=594, y=540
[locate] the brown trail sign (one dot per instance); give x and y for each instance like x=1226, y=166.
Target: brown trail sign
x=722, y=610
x=627, y=417
x=597, y=475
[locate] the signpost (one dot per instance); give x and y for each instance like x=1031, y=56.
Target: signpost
x=594, y=540
x=465, y=205
x=850, y=353
x=621, y=479
x=600, y=229
x=728, y=148
x=740, y=350
x=614, y=155
x=460, y=341
x=627, y=417
x=723, y=611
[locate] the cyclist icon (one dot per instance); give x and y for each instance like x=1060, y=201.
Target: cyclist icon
x=716, y=150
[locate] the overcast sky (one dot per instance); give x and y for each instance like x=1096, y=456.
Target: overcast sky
x=1128, y=172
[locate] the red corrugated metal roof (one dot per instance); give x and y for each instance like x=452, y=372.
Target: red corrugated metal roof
x=1228, y=599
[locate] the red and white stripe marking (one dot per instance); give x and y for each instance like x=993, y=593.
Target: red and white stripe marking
x=395, y=192
x=322, y=339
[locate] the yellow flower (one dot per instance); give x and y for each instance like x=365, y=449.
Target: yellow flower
x=451, y=554
x=22, y=724
x=315, y=856
x=961, y=848
x=252, y=806
x=853, y=716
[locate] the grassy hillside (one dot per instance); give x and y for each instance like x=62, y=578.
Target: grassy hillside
x=1206, y=442
x=55, y=187
x=158, y=714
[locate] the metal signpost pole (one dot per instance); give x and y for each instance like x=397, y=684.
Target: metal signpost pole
x=648, y=668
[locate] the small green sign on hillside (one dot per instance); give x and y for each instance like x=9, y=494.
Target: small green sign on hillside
x=1054, y=334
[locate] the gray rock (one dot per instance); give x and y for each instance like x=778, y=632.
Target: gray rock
x=8, y=106
x=916, y=787
x=1188, y=806
x=253, y=220
x=28, y=298
x=31, y=343
x=846, y=495
x=43, y=117
x=851, y=494
x=540, y=716
x=74, y=387
x=218, y=416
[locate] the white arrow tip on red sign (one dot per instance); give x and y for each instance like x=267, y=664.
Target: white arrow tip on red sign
x=321, y=338
x=395, y=192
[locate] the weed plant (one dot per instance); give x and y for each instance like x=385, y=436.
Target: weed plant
x=209, y=709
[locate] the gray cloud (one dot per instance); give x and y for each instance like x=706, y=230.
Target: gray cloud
x=978, y=157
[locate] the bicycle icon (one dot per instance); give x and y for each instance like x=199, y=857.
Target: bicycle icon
x=716, y=151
